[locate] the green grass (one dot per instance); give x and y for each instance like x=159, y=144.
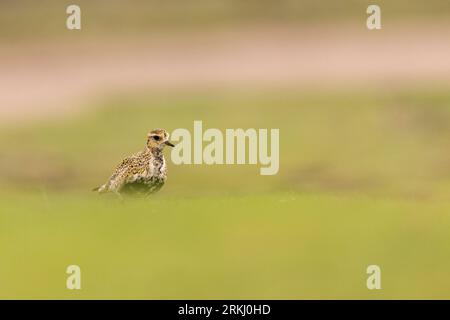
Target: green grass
x=363, y=180
x=282, y=246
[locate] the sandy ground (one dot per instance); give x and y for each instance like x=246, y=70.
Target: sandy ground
x=44, y=79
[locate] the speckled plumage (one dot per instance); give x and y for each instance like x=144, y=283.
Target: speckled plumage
x=143, y=172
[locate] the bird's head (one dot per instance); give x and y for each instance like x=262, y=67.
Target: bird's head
x=158, y=139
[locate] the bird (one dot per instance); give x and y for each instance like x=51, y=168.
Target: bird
x=144, y=172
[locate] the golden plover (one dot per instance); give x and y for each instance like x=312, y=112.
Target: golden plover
x=143, y=172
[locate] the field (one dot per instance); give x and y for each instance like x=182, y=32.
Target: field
x=150, y=17
x=364, y=179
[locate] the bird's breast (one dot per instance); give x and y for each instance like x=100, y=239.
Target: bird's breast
x=157, y=167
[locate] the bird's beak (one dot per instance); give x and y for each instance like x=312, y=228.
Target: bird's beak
x=169, y=144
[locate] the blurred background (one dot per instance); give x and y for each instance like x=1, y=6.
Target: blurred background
x=364, y=119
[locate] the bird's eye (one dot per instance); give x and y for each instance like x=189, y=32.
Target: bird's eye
x=156, y=138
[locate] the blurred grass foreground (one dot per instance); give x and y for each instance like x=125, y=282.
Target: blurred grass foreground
x=364, y=177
